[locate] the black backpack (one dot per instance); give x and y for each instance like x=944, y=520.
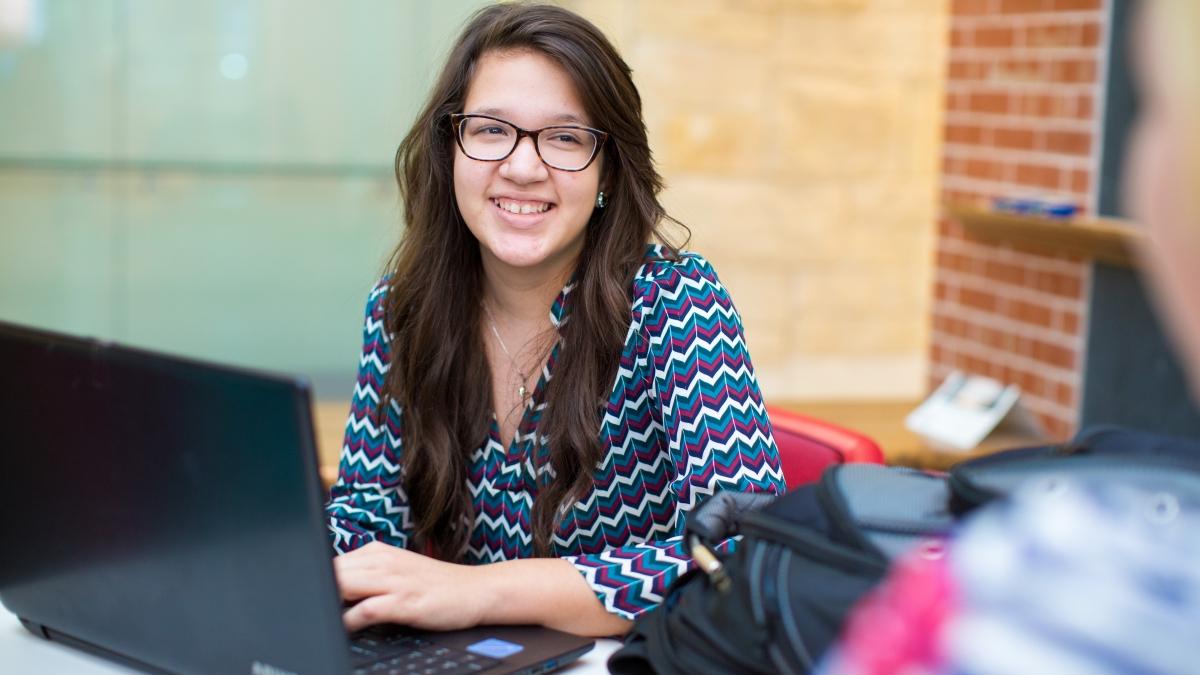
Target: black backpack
x=778, y=602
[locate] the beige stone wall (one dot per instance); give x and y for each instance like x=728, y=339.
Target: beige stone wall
x=800, y=143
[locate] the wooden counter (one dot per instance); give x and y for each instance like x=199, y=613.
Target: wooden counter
x=330, y=417
x=884, y=421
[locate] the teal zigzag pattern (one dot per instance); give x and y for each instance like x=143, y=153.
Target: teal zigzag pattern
x=685, y=418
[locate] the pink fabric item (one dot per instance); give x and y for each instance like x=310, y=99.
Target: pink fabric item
x=897, y=628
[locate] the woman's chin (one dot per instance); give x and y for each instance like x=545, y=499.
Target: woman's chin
x=520, y=256
x=531, y=250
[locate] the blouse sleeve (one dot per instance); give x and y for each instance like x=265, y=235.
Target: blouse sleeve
x=368, y=503
x=710, y=411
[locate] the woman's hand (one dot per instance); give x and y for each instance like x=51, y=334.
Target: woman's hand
x=394, y=585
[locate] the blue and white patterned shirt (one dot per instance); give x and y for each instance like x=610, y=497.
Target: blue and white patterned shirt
x=685, y=418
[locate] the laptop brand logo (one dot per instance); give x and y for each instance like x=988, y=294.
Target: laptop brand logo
x=260, y=668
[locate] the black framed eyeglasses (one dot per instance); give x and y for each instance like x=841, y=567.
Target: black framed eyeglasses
x=564, y=147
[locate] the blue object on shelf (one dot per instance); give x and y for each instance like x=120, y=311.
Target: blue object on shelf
x=1060, y=210
x=1034, y=207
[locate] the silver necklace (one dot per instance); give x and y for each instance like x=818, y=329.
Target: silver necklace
x=522, y=392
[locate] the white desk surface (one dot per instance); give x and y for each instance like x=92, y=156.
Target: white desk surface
x=24, y=652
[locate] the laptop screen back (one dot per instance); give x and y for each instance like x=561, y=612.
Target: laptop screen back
x=163, y=509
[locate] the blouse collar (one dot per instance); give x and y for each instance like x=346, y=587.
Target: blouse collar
x=559, y=310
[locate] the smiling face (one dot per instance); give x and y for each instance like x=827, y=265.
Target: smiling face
x=525, y=214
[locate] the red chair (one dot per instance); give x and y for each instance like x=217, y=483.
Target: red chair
x=807, y=445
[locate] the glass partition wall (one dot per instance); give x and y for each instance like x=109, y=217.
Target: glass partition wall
x=210, y=179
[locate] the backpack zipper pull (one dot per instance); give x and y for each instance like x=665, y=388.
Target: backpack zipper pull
x=707, y=561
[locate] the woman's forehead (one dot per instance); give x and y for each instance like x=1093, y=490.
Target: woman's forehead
x=526, y=87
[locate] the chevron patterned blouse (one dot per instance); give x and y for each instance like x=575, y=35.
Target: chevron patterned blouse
x=685, y=418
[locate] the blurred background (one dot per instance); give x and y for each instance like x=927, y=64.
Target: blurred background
x=214, y=179
x=209, y=178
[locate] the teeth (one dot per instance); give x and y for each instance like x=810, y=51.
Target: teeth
x=526, y=208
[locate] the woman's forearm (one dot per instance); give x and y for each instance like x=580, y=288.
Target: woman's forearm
x=545, y=591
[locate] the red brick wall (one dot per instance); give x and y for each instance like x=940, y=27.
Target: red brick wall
x=1022, y=115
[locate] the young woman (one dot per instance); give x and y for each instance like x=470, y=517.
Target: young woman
x=543, y=393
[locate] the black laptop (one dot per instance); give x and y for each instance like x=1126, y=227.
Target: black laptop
x=167, y=513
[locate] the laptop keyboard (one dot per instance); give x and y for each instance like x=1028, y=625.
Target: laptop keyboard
x=386, y=652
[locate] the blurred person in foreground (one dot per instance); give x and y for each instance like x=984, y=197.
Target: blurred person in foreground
x=1079, y=576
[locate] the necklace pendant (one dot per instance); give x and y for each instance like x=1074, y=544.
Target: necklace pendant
x=521, y=391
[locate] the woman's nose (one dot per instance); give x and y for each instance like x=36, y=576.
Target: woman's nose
x=524, y=165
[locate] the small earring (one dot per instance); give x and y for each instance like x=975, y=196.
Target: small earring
x=601, y=200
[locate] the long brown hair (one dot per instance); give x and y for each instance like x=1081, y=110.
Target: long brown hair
x=438, y=375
